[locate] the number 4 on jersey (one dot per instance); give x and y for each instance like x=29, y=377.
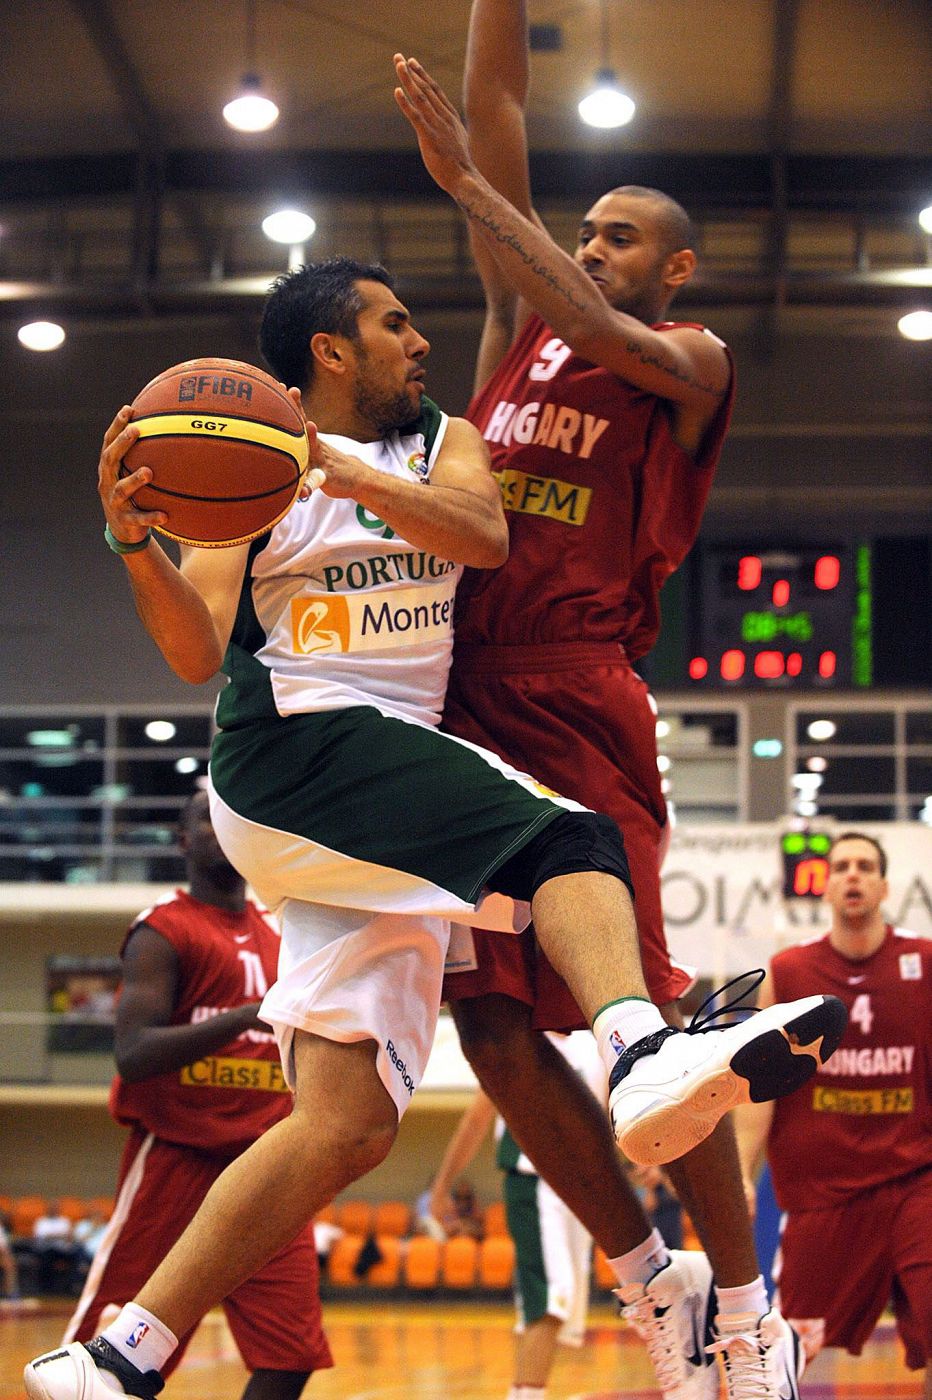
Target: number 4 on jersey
x=861, y=1013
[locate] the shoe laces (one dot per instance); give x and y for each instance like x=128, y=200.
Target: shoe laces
x=737, y=1009
x=656, y=1329
x=747, y=1374
x=702, y=1020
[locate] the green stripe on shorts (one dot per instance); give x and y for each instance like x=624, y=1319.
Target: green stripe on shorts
x=380, y=790
x=523, y=1216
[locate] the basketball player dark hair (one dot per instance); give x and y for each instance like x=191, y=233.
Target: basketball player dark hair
x=861, y=836
x=317, y=297
x=676, y=227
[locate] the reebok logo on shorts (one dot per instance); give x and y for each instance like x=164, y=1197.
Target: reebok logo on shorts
x=400, y=1066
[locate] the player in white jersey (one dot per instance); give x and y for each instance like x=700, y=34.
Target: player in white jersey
x=337, y=799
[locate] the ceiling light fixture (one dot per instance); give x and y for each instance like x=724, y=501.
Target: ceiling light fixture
x=925, y=219
x=251, y=110
x=916, y=325
x=41, y=335
x=606, y=106
x=293, y=227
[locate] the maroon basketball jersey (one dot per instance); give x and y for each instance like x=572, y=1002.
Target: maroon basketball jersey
x=224, y=1101
x=602, y=504
x=866, y=1116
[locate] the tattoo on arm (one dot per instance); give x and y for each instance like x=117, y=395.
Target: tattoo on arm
x=646, y=358
x=513, y=241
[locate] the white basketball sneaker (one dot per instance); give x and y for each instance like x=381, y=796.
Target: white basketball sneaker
x=673, y=1315
x=92, y=1371
x=668, y=1091
x=762, y=1356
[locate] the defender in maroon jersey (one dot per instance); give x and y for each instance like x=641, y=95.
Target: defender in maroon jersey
x=850, y=1153
x=605, y=422
x=199, y=1080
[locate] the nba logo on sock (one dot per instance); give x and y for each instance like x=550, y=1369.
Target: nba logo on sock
x=137, y=1334
x=616, y=1042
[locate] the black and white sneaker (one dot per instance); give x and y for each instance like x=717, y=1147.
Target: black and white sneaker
x=668, y=1090
x=80, y=1371
x=762, y=1356
x=673, y=1316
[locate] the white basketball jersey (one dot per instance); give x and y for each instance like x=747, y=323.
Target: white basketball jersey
x=351, y=614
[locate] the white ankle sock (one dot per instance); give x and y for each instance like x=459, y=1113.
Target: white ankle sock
x=621, y=1023
x=749, y=1298
x=641, y=1263
x=138, y=1336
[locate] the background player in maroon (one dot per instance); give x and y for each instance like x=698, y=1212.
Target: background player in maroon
x=605, y=424
x=199, y=1080
x=851, y=1153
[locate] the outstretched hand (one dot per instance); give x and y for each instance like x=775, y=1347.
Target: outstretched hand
x=440, y=133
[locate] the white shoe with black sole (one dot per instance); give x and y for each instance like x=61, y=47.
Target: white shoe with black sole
x=668, y=1091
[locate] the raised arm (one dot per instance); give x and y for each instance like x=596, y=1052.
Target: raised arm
x=495, y=90
x=685, y=367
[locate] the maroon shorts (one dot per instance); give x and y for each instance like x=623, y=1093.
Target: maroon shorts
x=578, y=718
x=843, y=1264
x=274, y=1316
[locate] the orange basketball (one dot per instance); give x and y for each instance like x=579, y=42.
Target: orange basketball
x=227, y=448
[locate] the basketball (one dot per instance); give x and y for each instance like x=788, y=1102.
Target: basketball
x=227, y=448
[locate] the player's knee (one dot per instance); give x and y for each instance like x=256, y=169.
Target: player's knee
x=496, y=1035
x=573, y=843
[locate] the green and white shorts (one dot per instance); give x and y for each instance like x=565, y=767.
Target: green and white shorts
x=367, y=834
x=553, y=1257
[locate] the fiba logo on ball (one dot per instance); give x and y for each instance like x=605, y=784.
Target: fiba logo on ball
x=192, y=386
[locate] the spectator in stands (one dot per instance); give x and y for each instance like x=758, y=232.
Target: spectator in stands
x=660, y=1202
x=54, y=1250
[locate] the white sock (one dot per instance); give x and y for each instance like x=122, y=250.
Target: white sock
x=641, y=1263
x=138, y=1336
x=749, y=1298
x=621, y=1023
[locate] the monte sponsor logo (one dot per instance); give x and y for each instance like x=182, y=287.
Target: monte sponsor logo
x=227, y=386
x=378, y=621
x=400, y=1066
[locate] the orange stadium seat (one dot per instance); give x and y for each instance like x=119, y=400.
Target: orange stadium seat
x=102, y=1204
x=459, y=1262
x=24, y=1213
x=341, y=1261
x=392, y=1218
x=494, y=1219
x=355, y=1217
x=422, y=1262
x=328, y=1215
x=386, y=1273
x=74, y=1207
x=496, y=1262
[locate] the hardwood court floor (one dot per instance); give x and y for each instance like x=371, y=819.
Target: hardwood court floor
x=451, y=1351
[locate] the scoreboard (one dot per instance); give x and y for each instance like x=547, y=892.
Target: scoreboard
x=779, y=615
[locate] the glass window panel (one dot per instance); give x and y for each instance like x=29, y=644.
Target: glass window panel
x=857, y=775
x=919, y=776
x=919, y=726
x=80, y=730
x=866, y=728
x=191, y=731
x=159, y=777
x=850, y=812
x=50, y=775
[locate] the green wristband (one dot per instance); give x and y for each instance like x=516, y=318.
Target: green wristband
x=121, y=546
